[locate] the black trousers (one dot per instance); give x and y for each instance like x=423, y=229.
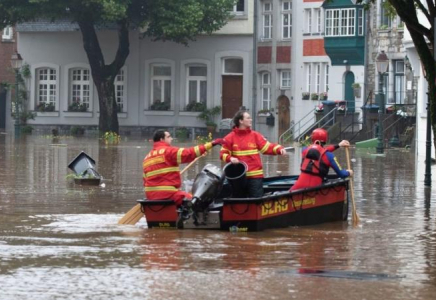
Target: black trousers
x=254, y=187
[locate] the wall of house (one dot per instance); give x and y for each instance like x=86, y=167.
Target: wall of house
x=64, y=50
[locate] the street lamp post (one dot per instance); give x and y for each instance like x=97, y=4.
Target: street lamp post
x=382, y=63
x=16, y=62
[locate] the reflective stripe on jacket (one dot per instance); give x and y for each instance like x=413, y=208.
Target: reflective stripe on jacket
x=161, y=173
x=247, y=145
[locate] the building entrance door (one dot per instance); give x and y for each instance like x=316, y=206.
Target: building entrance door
x=283, y=105
x=232, y=95
x=349, y=92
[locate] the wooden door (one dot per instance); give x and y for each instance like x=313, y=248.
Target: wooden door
x=283, y=106
x=232, y=95
x=3, y=94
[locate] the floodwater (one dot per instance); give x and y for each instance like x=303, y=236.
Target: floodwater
x=59, y=240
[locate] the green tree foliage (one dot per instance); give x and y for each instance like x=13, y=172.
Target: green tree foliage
x=166, y=20
x=422, y=34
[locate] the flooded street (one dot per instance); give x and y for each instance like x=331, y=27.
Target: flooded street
x=59, y=240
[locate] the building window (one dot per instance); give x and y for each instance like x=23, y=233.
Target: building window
x=399, y=91
x=317, y=77
x=120, y=91
x=239, y=7
x=308, y=77
x=196, y=84
x=326, y=78
x=267, y=20
x=80, y=90
x=340, y=22
x=308, y=14
x=266, y=91
x=360, y=22
x=385, y=19
x=161, y=84
x=318, y=16
x=233, y=66
x=285, y=79
x=8, y=33
x=46, y=86
x=286, y=19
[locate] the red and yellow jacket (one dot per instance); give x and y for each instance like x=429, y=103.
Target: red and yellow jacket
x=246, y=145
x=161, y=176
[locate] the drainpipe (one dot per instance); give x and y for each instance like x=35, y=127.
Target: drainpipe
x=254, y=84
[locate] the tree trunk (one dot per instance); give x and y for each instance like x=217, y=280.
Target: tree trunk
x=102, y=74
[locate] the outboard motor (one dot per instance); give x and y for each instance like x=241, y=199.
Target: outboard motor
x=207, y=185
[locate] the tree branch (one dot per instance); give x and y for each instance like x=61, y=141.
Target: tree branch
x=123, y=48
x=408, y=13
x=423, y=9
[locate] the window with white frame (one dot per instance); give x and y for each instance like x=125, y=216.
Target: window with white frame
x=340, y=22
x=267, y=20
x=326, y=77
x=360, y=25
x=120, y=94
x=233, y=66
x=308, y=15
x=285, y=79
x=46, y=87
x=161, y=84
x=239, y=7
x=399, y=90
x=308, y=77
x=8, y=33
x=196, y=84
x=317, y=77
x=385, y=19
x=318, y=20
x=79, y=90
x=266, y=91
x=286, y=19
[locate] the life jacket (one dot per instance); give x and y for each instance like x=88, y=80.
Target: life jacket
x=313, y=161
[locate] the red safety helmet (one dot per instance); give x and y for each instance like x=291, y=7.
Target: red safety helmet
x=320, y=134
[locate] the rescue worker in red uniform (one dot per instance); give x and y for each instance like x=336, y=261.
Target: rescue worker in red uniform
x=317, y=159
x=246, y=145
x=161, y=176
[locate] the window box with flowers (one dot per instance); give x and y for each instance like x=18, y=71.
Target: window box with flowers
x=45, y=107
x=323, y=96
x=305, y=95
x=158, y=105
x=314, y=96
x=77, y=106
x=264, y=113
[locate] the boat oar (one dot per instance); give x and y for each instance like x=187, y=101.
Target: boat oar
x=354, y=212
x=135, y=214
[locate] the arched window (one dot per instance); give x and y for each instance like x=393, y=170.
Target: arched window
x=79, y=90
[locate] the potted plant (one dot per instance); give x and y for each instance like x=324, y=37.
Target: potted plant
x=356, y=89
x=314, y=96
x=45, y=106
x=208, y=115
x=195, y=106
x=263, y=112
x=323, y=96
x=305, y=95
x=77, y=106
x=159, y=105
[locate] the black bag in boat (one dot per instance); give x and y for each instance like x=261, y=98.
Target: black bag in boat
x=207, y=186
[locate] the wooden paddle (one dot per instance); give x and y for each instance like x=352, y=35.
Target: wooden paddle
x=135, y=214
x=354, y=212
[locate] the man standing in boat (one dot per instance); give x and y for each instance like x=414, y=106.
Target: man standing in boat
x=161, y=176
x=245, y=145
x=317, y=159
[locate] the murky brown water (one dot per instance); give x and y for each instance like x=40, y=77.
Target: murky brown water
x=61, y=241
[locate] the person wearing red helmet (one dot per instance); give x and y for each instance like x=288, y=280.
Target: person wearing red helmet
x=317, y=160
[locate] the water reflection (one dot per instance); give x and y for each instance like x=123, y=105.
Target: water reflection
x=66, y=236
